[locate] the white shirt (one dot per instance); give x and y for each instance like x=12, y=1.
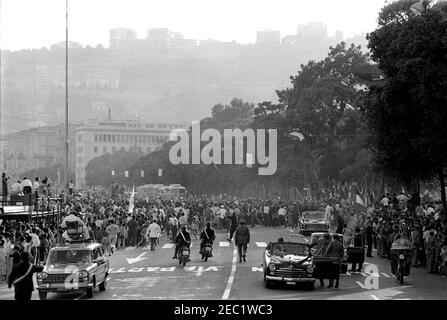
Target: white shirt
x=266, y=209
x=35, y=185
x=385, y=202
x=153, y=230
x=281, y=212
x=222, y=213
x=27, y=183
x=36, y=240
x=328, y=212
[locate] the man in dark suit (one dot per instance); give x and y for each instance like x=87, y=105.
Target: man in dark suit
x=358, y=242
x=335, y=250
x=241, y=239
x=22, y=278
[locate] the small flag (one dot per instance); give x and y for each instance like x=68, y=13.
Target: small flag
x=131, y=200
x=359, y=204
x=113, y=172
x=126, y=174
x=142, y=173
x=160, y=172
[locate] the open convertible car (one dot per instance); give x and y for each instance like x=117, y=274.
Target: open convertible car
x=290, y=263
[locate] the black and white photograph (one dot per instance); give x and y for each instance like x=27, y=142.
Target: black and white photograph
x=236, y=152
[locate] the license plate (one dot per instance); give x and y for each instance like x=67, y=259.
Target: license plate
x=290, y=282
x=208, y=249
x=185, y=252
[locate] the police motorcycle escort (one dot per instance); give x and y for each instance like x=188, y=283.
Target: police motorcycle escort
x=78, y=265
x=401, y=255
x=206, y=246
x=182, y=248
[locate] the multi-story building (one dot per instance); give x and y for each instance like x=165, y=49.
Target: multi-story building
x=121, y=36
x=268, y=37
x=41, y=147
x=95, y=138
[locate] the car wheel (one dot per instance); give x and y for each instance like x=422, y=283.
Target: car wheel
x=89, y=293
x=42, y=295
x=102, y=285
x=268, y=284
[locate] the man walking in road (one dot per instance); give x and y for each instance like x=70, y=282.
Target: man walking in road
x=153, y=233
x=335, y=250
x=22, y=278
x=241, y=239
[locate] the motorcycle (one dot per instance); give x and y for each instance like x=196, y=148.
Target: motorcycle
x=183, y=255
x=206, y=250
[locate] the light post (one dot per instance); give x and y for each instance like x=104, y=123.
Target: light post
x=67, y=138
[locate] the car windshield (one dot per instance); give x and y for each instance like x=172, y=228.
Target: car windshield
x=70, y=256
x=313, y=215
x=283, y=249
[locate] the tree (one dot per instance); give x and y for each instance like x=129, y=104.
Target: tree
x=406, y=114
x=99, y=170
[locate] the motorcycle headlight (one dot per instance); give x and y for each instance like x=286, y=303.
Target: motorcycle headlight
x=401, y=256
x=83, y=274
x=272, y=267
x=42, y=275
x=310, y=269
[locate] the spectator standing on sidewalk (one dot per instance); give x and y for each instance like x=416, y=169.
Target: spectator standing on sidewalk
x=4, y=185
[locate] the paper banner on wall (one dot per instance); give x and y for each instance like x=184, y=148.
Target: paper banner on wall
x=126, y=174
x=160, y=172
x=113, y=172
x=142, y=173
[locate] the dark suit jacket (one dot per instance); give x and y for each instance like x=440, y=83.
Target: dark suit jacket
x=19, y=270
x=242, y=235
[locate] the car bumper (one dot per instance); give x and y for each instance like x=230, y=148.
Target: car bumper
x=285, y=279
x=61, y=287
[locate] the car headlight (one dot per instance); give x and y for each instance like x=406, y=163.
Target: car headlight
x=272, y=267
x=42, y=275
x=310, y=269
x=83, y=274
x=401, y=256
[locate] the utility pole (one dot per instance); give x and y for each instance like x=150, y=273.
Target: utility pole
x=67, y=138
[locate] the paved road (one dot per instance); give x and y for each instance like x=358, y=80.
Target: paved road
x=157, y=276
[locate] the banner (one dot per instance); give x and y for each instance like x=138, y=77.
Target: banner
x=126, y=174
x=359, y=204
x=142, y=173
x=131, y=200
x=160, y=172
x=113, y=172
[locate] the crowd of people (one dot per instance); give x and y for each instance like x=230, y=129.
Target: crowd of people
x=108, y=220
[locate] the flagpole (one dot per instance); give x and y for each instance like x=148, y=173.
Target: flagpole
x=66, y=101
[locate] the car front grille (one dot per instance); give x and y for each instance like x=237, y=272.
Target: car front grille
x=291, y=273
x=316, y=226
x=56, y=278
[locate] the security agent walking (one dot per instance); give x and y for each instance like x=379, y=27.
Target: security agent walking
x=241, y=239
x=335, y=250
x=358, y=242
x=21, y=277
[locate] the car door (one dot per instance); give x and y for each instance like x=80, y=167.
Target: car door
x=104, y=266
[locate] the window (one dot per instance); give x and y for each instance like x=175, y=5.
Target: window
x=113, y=149
x=135, y=138
x=104, y=138
x=96, y=137
x=144, y=139
x=104, y=149
x=100, y=138
x=131, y=138
x=113, y=138
x=122, y=148
x=109, y=138
x=80, y=137
x=95, y=149
x=80, y=149
x=153, y=139
x=79, y=160
x=122, y=138
x=139, y=138
x=127, y=138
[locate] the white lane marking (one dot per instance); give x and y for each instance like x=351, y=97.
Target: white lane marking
x=168, y=246
x=374, y=297
x=137, y=259
x=257, y=269
x=360, y=284
x=108, y=279
x=386, y=275
x=261, y=244
x=129, y=248
x=224, y=244
x=227, y=291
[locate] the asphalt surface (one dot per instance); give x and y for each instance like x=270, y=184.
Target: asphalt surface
x=139, y=273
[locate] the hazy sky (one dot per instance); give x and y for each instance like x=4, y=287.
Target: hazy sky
x=37, y=23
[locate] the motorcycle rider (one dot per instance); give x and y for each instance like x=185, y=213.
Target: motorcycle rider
x=183, y=239
x=207, y=235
